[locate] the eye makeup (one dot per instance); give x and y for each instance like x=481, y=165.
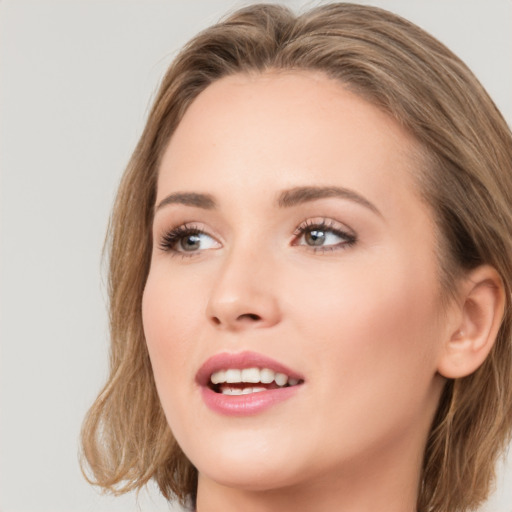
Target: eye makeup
x=318, y=235
x=185, y=239
x=315, y=232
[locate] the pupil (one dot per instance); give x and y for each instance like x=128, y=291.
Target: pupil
x=315, y=237
x=190, y=242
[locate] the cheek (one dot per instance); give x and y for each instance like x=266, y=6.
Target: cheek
x=171, y=328
x=371, y=336
x=165, y=314
x=369, y=305
x=173, y=306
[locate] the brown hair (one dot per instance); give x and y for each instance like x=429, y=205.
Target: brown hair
x=465, y=175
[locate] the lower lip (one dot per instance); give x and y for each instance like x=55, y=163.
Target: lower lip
x=246, y=405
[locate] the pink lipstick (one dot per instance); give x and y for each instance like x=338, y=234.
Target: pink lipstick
x=245, y=383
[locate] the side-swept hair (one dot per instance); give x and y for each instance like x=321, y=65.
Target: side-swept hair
x=465, y=174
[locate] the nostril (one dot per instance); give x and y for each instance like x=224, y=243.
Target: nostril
x=216, y=321
x=250, y=316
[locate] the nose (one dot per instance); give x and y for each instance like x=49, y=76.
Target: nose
x=244, y=296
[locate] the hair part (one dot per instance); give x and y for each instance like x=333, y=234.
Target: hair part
x=464, y=173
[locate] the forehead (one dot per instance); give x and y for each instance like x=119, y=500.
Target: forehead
x=283, y=129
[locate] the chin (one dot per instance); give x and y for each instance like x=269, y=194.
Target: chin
x=250, y=477
x=253, y=464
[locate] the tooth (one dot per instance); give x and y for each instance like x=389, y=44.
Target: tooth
x=233, y=375
x=218, y=377
x=251, y=375
x=246, y=391
x=267, y=376
x=231, y=391
x=293, y=382
x=257, y=390
x=281, y=379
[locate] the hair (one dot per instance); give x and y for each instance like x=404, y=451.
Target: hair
x=465, y=175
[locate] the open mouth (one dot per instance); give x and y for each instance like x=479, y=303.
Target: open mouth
x=245, y=381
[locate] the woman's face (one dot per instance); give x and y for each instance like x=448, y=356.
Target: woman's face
x=289, y=237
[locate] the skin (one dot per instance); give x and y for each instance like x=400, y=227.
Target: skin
x=361, y=321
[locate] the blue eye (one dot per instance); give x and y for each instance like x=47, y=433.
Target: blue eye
x=319, y=236
x=323, y=236
x=185, y=239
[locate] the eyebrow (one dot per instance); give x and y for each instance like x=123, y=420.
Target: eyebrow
x=285, y=199
x=205, y=201
x=299, y=195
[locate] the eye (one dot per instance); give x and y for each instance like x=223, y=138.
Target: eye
x=324, y=235
x=187, y=239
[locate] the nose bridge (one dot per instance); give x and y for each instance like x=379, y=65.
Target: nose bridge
x=244, y=295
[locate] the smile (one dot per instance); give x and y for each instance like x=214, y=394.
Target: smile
x=239, y=382
x=245, y=383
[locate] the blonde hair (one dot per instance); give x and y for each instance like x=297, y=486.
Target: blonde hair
x=465, y=175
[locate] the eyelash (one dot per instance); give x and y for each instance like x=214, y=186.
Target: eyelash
x=326, y=225
x=170, y=239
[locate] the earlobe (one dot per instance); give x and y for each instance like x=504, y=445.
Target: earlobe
x=480, y=314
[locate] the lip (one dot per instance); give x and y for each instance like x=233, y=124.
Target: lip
x=244, y=405
x=241, y=360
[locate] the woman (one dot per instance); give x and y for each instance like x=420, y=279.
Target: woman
x=310, y=274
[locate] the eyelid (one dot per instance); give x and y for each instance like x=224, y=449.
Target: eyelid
x=340, y=230
x=169, y=239
x=326, y=223
x=172, y=236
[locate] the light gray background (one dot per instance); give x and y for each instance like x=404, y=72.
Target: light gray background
x=76, y=79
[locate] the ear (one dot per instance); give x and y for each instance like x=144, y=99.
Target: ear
x=477, y=319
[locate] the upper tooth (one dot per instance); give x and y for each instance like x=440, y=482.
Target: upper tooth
x=252, y=375
x=267, y=376
x=218, y=377
x=281, y=379
x=233, y=375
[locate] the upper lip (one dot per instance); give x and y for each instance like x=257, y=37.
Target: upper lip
x=241, y=360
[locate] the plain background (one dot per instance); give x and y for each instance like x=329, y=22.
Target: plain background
x=76, y=80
